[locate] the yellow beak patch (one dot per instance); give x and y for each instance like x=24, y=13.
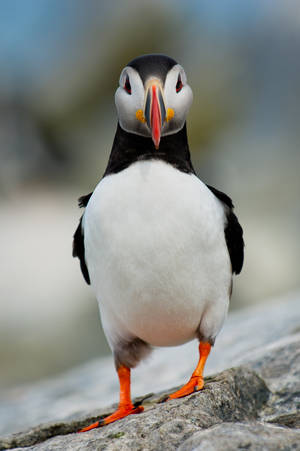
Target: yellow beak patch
x=140, y=115
x=170, y=114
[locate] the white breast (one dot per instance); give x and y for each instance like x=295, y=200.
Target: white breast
x=156, y=254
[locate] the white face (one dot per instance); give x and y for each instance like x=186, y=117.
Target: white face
x=131, y=95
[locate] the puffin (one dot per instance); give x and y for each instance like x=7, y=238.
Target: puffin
x=158, y=246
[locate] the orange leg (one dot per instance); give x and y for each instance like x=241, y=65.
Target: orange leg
x=196, y=381
x=125, y=405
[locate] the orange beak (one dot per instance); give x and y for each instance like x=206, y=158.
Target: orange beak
x=155, y=111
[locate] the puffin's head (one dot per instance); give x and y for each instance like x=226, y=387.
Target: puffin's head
x=153, y=98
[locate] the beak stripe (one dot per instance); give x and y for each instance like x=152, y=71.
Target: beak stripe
x=147, y=109
x=162, y=107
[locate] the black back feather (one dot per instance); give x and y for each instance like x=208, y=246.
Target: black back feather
x=78, y=251
x=233, y=233
x=235, y=242
x=84, y=200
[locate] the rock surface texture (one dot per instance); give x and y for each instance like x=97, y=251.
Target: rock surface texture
x=253, y=405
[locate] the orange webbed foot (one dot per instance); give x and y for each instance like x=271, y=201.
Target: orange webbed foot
x=121, y=412
x=125, y=405
x=194, y=384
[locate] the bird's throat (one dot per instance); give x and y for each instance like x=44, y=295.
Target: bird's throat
x=128, y=148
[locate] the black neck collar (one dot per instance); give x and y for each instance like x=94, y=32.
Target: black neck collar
x=128, y=148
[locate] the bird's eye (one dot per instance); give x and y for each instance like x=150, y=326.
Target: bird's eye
x=179, y=84
x=127, y=85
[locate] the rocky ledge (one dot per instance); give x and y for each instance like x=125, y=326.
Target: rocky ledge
x=254, y=405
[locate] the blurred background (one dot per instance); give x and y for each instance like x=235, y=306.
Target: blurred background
x=60, y=63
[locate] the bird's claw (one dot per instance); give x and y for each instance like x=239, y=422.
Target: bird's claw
x=163, y=398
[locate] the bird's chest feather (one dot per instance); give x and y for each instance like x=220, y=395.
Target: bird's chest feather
x=154, y=240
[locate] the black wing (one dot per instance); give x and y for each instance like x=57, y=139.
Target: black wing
x=84, y=200
x=78, y=241
x=233, y=233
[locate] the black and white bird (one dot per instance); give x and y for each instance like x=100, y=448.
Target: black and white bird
x=158, y=246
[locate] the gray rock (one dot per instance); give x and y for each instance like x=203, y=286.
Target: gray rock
x=232, y=436
x=279, y=365
x=255, y=405
x=234, y=395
